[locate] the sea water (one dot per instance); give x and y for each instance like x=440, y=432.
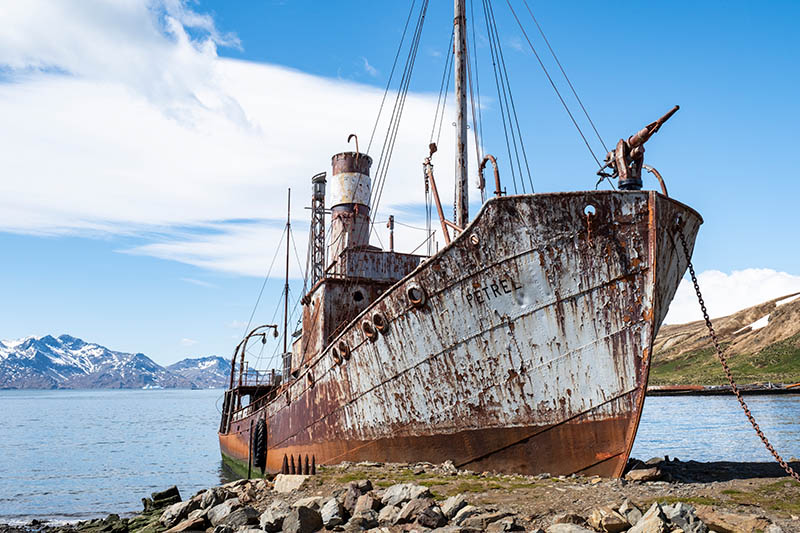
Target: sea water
x=71, y=455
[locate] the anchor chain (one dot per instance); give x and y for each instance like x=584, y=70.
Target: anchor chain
x=723, y=359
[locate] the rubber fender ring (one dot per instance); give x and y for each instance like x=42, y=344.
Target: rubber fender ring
x=380, y=323
x=345, y=349
x=416, y=295
x=369, y=330
x=337, y=357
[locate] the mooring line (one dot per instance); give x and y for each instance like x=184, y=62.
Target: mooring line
x=723, y=359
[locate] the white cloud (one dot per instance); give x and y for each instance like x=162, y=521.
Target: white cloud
x=117, y=121
x=188, y=342
x=372, y=71
x=199, y=283
x=727, y=293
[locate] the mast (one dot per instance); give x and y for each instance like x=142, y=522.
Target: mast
x=460, y=50
x=286, y=285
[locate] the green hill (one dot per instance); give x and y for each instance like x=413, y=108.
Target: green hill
x=762, y=344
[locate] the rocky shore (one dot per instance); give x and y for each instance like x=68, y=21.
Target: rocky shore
x=659, y=496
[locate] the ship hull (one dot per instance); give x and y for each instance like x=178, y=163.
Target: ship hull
x=529, y=351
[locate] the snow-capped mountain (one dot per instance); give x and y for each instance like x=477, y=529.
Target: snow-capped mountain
x=205, y=372
x=66, y=362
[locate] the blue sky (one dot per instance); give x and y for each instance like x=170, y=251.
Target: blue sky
x=147, y=145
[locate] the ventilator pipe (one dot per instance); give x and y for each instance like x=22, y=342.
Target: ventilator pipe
x=486, y=159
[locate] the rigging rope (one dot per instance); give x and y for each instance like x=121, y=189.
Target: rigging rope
x=552, y=83
x=585, y=112
x=499, y=96
x=513, y=107
x=478, y=124
x=264, y=284
x=391, y=134
x=391, y=75
x=442, y=88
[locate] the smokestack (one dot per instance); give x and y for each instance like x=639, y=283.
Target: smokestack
x=349, y=199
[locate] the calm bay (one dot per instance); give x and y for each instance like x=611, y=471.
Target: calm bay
x=71, y=455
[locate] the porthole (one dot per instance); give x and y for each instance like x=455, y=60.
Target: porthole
x=380, y=322
x=416, y=295
x=344, y=349
x=369, y=330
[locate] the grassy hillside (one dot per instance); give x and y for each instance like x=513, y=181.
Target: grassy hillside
x=762, y=344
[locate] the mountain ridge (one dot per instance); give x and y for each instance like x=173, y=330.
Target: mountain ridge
x=761, y=343
x=67, y=362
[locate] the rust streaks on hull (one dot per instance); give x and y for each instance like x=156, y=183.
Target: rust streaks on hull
x=531, y=335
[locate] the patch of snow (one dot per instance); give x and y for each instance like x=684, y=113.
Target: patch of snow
x=206, y=364
x=787, y=300
x=758, y=324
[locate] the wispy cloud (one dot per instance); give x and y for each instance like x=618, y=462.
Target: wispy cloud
x=515, y=43
x=199, y=282
x=372, y=71
x=188, y=342
x=160, y=134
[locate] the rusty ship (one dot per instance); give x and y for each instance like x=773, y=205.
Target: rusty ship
x=523, y=345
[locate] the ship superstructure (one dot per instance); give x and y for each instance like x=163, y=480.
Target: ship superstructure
x=523, y=345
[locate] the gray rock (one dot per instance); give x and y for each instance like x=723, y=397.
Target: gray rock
x=403, y=492
x=314, y=502
x=332, y=513
x=607, y=519
x=431, y=517
x=466, y=512
x=569, y=518
x=302, y=520
x=453, y=504
x=457, y=529
x=355, y=489
x=285, y=483
x=410, y=510
x=683, y=516
x=367, y=502
x=653, y=521
x=244, y=516
x=222, y=529
x=644, y=474
x=562, y=527
x=208, y=499
x=363, y=520
x=631, y=513
x=508, y=523
x=773, y=528
x=190, y=524
x=198, y=513
x=219, y=512
x=177, y=512
x=272, y=519
x=248, y=529
x=388, y=515
x=482, y=521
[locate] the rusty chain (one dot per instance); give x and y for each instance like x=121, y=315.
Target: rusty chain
x=723, y=359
